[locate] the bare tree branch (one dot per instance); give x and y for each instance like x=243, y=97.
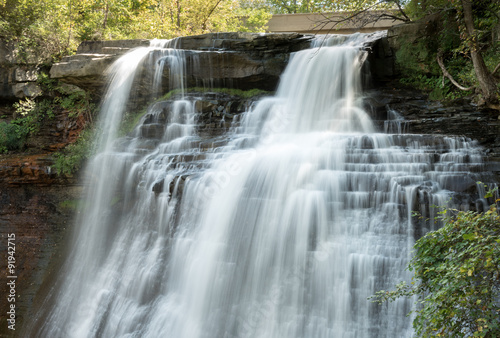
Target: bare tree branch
x=204, y=24
x=439, y=58
x=362, y=18
x=496, y=69
x=402, y=11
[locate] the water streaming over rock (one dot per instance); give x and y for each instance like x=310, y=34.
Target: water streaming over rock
x=282, y=232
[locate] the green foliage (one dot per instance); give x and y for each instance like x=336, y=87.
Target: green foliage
x=419, y=69
x=457, y=277
x=245, y=94
x=71, y=205
x=11, y=137
x=444, y=31
x=39, y=28
x=416, y=58
x=29, y=116
x=50, y=29
x=76, y=103
x=255, y=19
x=72, y=99
x=31, y=113
x=47, y=84
x=129, y=121
x=71, y=159
x=438, y=87
x=418, y=9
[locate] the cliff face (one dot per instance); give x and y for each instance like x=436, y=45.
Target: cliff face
x=38, y=206
x=237, y=60
x=17, y=76
x=38, y=217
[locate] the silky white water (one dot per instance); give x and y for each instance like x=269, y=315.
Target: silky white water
x=284, y=232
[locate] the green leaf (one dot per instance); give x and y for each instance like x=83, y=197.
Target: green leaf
x=469, y=237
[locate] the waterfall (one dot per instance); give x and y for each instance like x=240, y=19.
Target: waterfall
x=283, y=232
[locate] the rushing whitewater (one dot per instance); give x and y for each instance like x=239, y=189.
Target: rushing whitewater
x=284, y=232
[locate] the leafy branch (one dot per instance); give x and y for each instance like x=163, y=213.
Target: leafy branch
x=457, y=276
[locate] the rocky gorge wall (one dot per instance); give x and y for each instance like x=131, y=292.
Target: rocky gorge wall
x=38, y=205
x=17, y=76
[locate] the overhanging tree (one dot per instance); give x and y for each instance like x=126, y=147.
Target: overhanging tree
x=487, y=83
x=468, y=16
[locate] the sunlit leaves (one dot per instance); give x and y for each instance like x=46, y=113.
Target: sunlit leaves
x=158, y=18
x=51, y=28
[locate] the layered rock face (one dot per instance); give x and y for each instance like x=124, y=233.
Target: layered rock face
x=39, y=217
x=410, y=111
x=235, y=60
x=17, y=77
x=38, y=205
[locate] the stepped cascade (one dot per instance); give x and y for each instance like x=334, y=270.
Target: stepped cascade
x=282, y=227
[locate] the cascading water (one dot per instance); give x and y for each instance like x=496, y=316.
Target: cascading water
x=284, y=232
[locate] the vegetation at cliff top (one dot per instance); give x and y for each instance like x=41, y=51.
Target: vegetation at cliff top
x=455, y=53
x=458, y=51
x=464, y=33
x=457, y=276
x=50, y=29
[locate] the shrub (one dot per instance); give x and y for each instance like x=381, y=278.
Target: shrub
x=72, y=158
x=11, y=137
x=457, y=277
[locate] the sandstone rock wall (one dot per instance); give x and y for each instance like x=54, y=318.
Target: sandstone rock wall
x=423, y=116
x=37, y=205
x=249, y=60
x=232, y=60
x=17, y=77
x=39, y=217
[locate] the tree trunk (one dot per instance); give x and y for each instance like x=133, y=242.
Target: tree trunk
x=485, y=78
x=178, y=23
x=105, y=21
x=204, y=24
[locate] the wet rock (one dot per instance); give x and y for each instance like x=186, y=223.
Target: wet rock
x=272, y=43
x=112, y=47
x=205, y=106
x=158, y=186
x=85, y=71
x=423, y=116
x=381, y=60
x=152, y=130
x=250, y=60
x=458, y=183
